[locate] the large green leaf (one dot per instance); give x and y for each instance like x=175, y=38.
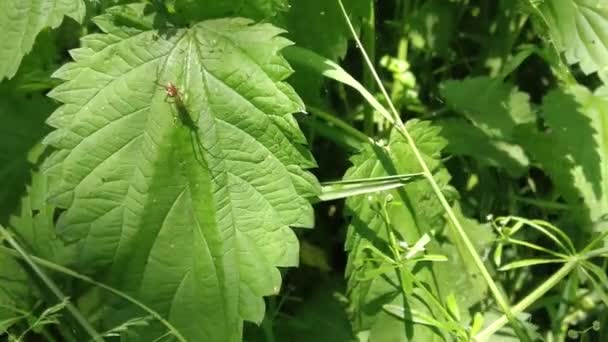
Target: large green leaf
x=493, y=109
x=21, y=21
x=580, y=29
x=413, y=211
x=491, y=105
x=574, y=151
x=186, y=201
x=255, y=9
x=320, y=26
x=466, y=139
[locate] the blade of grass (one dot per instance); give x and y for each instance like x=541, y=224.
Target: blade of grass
x=342, y=189
x=58, y=268
x=498, y=295
x=48, y=282
x=332, y=70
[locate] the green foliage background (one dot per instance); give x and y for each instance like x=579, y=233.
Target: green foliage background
x=163, y=162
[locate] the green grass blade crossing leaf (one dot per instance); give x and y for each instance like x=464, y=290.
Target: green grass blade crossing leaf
x=412, y=212
x=456, y=225
x=185, y=200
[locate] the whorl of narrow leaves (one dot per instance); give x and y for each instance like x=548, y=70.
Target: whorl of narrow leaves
x=21, y=21
x=409, y=213
x=186, y=203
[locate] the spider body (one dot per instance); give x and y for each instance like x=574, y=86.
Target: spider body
x=171, y=90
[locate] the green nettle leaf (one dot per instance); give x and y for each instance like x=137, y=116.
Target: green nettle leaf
x=319, y=25
x=580, y=28
x=466, y=139
x=494, y=109
x=255, y=9
x=22, y=127
x=491, y=105
x=411, y=212
x=185, y=195
x=21, y=21
x=574, y=151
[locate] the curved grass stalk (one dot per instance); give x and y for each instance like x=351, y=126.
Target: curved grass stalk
x=51, y=286
x=399, y=125
x=35, y=261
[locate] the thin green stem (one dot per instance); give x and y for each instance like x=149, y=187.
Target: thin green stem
x=500, y=298
x=542, y=203
x=599, y=239
x=536, y=247
x=532, y=297
x=596, y=253
x=69, y=272
x=368, y=34
x=52, y=286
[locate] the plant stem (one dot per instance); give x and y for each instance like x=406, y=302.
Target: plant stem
x=368, y=34
x=52, y=286
x=69, y=272
x=500, y=299
x=529, y=299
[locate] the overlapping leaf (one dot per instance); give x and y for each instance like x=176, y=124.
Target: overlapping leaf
x=21, y=21
x=255, y=9
x=34, y=230
x=22, y=126
x=493, y=109
x=580, y=29
x=574, y=151
x=187, y=201
x=412, y=212
x=319, y=26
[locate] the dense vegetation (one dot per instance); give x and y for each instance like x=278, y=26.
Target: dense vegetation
x=437, y=170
